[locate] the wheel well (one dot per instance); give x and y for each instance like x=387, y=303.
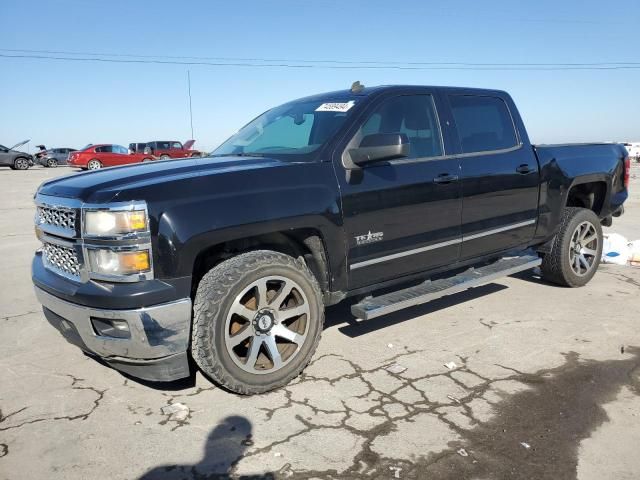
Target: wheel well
x=306, y=244
x=588, y=195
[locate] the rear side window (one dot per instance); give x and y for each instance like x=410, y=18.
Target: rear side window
x=484, y=123
x=104, y=149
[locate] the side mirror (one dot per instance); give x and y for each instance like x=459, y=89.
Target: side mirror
x=380, y=146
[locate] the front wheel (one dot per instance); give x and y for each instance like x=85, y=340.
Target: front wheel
x=257, y=321
x=21, y=164
x=164, y=157
x=576, y=249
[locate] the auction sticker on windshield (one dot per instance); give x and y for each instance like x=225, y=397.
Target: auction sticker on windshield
x=336, y=107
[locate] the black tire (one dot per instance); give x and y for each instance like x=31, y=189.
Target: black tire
x=220, y=290
x=21, y=163
x=557, y=265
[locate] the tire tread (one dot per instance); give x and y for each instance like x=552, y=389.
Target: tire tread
x=214, y=286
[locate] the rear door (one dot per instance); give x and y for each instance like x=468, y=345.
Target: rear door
x=499, y=175
x=121, y=155
x=398, y=217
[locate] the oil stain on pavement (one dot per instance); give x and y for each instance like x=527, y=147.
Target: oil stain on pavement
x=535, y=434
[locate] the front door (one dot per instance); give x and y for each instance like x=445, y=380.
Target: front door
x=499, y=176
x=5, y=156
x=401, y=216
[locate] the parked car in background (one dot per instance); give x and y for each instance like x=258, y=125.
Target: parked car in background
x=94, y=157
x=53, y=157
x=165, y=149
x=137, y=147
x=16, y=160
x=634, y=150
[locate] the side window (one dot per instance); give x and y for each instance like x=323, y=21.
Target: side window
x=484, y=123
x=163, y=145
x=103, y=149
x=176, y=146
x=413, y=115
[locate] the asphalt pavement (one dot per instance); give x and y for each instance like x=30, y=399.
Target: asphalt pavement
x=516, y=379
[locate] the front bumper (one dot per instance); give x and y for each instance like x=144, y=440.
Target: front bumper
x=156, y=349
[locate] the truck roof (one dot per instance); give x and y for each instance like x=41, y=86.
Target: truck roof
x=367, y=91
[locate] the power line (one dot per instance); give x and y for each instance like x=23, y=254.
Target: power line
x=321, y=61
x=407, y=66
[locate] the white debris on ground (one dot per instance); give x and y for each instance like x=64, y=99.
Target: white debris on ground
x=525, y=445
x=618, y=250
x=177, y=411
x=451, y=365
x=396, y=368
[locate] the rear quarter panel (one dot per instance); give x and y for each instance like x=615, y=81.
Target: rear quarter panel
x=565, y=166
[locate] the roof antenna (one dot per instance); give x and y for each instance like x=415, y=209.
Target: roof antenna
x=356, y=87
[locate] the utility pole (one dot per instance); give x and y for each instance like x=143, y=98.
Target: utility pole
x=190, y=109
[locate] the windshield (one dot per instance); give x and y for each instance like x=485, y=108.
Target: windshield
x=293, y=131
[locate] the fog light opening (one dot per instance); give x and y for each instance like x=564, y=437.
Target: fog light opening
x=109, y=327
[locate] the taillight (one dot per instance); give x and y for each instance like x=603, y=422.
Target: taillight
x=627, y=171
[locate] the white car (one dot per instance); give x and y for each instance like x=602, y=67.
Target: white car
x=634, y=150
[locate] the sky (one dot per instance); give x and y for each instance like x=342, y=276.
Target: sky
x=71, y=103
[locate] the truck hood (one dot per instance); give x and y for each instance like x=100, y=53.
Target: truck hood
x=100, y=186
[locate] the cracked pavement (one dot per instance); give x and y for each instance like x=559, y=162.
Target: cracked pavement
x=545, y=385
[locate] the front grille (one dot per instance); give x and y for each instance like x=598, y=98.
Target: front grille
x=58, y=217
x=61, y=259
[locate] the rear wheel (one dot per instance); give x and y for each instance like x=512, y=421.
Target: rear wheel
x=576, y=249
x=52, y=162
x=21, y=163
x=94, y=164
x=146, y=160
x=257, y=321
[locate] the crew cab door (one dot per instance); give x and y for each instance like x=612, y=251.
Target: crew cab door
x=500, y=175
x=401, y=216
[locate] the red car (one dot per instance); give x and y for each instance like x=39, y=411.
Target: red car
x=165, y=149
x=94, y=157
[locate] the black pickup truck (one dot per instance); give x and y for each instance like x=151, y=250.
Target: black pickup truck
x=230, y=260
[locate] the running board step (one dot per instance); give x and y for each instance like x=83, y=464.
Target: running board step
x=372, y=307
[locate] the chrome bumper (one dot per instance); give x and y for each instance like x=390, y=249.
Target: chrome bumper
x=155, y=332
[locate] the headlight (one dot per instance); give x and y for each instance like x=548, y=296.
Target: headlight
x=104, y=223
x=119, y=263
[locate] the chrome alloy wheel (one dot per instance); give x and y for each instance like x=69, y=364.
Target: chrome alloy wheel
x=267, y=325
x=22, y=164
x=583, y=248
x=93, y=165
